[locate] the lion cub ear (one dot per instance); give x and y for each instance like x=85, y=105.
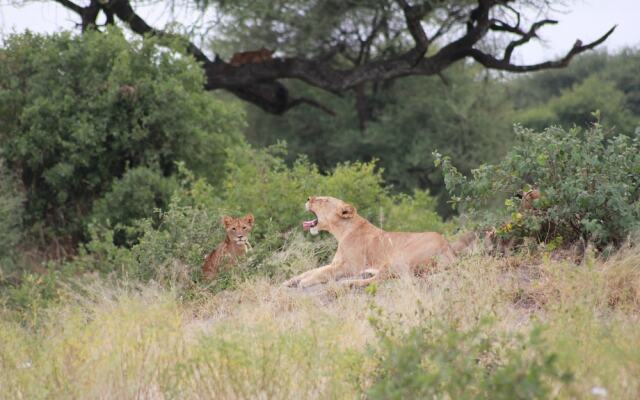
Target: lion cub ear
x=249, y=219
x=227, y=221
x=348, y=211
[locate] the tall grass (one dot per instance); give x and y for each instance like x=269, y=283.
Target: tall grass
x=263, y=341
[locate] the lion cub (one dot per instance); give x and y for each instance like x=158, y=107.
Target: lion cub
x=234, y=246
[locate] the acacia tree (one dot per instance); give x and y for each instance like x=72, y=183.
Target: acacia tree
x=349, y=44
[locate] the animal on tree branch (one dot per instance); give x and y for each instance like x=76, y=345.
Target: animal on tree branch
x=393, y=42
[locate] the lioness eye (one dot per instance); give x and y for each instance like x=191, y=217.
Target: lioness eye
x=233, y=229
x=244, y=227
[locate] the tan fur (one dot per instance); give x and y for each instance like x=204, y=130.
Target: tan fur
x=367, y=253
x=528, y=198
x=235, y=245
x=251, y=57
x=491, y=242
x=464, y=242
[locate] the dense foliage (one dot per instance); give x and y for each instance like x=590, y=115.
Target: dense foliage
x=589, y=183
x=78, y=112
x=568, y=97
x=113, y=149
x=176, y=240
x=11, y=209
x=466, y=117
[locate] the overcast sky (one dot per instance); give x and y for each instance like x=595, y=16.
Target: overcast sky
x=587, y=20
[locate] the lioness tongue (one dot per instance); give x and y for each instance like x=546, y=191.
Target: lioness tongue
x=306, y=225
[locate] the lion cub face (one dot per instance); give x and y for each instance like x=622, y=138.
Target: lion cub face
x=329, y=212
x=238, y=229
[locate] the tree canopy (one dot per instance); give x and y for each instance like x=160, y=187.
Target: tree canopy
x=340, y=46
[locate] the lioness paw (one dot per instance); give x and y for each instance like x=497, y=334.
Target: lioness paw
x=293, y=282
x=305, y=283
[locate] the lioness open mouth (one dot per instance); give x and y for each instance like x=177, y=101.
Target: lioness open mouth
x=311, y=225
x=306, y=225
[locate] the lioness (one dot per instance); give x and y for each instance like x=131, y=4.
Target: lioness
x=235, y=245
x=365, y=250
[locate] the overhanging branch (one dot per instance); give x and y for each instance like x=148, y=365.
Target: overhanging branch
x=490, y=61
x=71, y=6
x=259, y=83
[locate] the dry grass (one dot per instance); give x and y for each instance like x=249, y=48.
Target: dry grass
x=265, y=341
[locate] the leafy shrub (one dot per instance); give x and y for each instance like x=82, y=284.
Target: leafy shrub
x=438, y=360
x=11, y=208
x=468, y=117
x=589, y=183
x=176, y=240
x=11, y=222
x=171, y=246
x=133, y=197
x=264, y=185
x=30, y=298
x=78, y=111
x=412, y=213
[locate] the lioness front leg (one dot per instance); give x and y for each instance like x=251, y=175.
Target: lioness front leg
x=368, y=276
x=292, y=282
x=321, y=275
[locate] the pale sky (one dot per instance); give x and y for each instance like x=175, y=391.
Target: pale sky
x=587, y=20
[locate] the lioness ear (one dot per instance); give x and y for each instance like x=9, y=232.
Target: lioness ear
x=249, y=219
x=348, y=211
x=226, y=221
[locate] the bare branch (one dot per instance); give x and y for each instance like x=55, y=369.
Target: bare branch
x=71, y=6
x=88, y=14
x=413, y=16
x=365, y=45
x=123, y=10
x=526, y=37
x=489, y=61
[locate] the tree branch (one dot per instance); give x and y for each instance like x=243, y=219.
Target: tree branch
x=71, y=6
x=490, y=61
x=413, y=16
x=259, y=83
x=526, y=37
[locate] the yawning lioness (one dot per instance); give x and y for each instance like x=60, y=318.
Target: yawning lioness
x=365, y=252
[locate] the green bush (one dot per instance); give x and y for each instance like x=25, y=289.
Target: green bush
x=176, y=240
x=135, y=196
x=78, y=111
x=263, y=184
x=464, y=114
x=11, y=209
x=439, y=360
x=589, y=183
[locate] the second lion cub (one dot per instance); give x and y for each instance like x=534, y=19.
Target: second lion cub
x=234, y=246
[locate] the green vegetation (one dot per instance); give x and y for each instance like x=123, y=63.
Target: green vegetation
x=11, y=209
x=78, y=112
x=589, y=186
x=116, y=168
x=479, y=329
x=466, y=117
x=179, y=237
x=431, y=361
x=569, y=96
